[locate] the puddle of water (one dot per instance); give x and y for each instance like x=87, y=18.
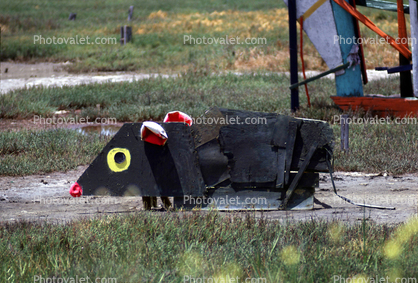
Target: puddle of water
x=103, y=129
x=26, y=71
x=20, y=75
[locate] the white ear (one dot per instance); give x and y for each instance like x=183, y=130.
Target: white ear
x=153, y=127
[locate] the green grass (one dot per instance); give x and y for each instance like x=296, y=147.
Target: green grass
x=153, y=98
x=150, y=247
x=157, y=44
x=379, y=148
x=373, y=148
x=192, y=93
x=154, y=51
x=31, y=152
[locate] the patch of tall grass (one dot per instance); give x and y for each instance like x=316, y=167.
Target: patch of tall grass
x=153, y=247
x=31, y=152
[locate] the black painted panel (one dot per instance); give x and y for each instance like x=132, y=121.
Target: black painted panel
x=170, y=170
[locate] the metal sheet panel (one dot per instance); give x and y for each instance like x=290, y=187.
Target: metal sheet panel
x=252, y=158
x=213, y=163
x=321, y=30
x=229, y=198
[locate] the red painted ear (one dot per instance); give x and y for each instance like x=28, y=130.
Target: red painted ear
x=179, y=117
x=76, y=190
x=152, y=132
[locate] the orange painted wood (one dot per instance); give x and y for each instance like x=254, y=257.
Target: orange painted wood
x=368, y=23
x=402, y=34
x=362, y=59
x=382, y=106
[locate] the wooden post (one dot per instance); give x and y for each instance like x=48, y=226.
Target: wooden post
x=405, y=77
x=349, y=83
x=131, y=10
x=122, y=36
x=293, y=48
x=125, y=34
x=414, y=36
x=345, y=135
x=72, y=16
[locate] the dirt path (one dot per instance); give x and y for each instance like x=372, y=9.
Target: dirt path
x=46, y=197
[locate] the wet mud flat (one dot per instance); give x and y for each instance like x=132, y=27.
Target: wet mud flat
x=21, y=75
x=45, y=197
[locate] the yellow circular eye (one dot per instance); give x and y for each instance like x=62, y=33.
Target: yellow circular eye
x=118, y=159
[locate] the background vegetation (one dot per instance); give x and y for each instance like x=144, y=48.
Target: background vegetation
x=158, y=35
x=150, y=247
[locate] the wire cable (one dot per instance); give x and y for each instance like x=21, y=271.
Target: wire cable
x=331, y=170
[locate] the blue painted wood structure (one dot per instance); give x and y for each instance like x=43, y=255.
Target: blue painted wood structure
x=349, y=83
x=414, y=35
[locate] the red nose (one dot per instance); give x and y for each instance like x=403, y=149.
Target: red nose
x=76, y=190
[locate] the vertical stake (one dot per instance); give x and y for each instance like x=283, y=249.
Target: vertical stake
x=413, y=8
x=293, y=48
x=131, y=10
x=345, y=133
x=125, y=35
x=405, y=77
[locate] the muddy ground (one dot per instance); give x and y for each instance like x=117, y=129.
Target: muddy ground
x=46, y=198
x=20, y=75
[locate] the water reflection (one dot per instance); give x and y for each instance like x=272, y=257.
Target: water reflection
x=102, y=129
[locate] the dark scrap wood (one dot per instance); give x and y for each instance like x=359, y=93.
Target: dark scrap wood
x=252, y=158
x=280, y=136
x=206, y=128
x=290, y=145
x=125, y=34
x=72, y=16
x=170, y=170
x=213, y=163
x=299, y=175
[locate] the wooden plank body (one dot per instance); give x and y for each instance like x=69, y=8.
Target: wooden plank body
x=152, y=170
x=235, y=157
